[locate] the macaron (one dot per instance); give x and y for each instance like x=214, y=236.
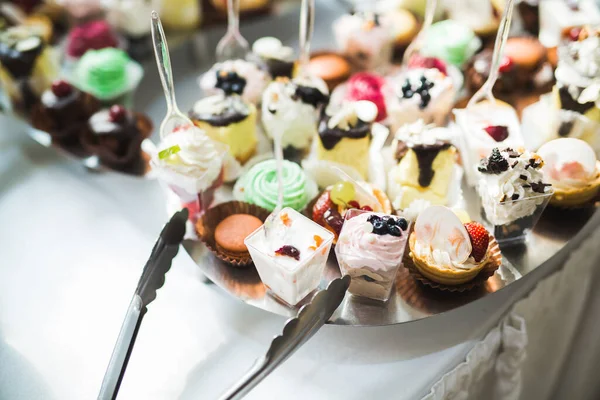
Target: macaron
x=231, y=232
x=332, y=67
x=525, y=52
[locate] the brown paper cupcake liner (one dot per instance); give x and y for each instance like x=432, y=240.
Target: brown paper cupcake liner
x=207, y=224
x=494, y=262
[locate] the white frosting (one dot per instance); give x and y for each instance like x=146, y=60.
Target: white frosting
x=256, y=78
x=218, y=104
x=420, y=133
x=270, y=47
x=497, y=190
x=195, y=167
x=407, y=110
x=414, y=209
x=348, y=115
x=569, y=163
x=284, y=113
x=440, y=258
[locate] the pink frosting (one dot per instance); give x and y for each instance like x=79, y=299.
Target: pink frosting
x=359, y=248
x=94, y=35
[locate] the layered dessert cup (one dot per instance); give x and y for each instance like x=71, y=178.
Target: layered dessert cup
x=291, y=256
x=370, y=249
x=513, y=192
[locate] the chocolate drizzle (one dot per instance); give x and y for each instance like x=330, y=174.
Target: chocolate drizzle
x=19, y=63
x=311, y=95
x=229, y=116
x=426, y=154
x=331, y=137
x=569, y=103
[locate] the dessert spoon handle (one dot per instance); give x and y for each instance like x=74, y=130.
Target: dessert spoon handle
x=414, y=46
x=296, y=332
x=485, y=92
x=163, y=61
x=307, y=23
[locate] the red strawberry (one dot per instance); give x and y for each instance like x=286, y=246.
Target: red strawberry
x=322, y=204
x=480, y=240
x=419, y=61
x=506, y=64
x=497, y=132
x=367, y=86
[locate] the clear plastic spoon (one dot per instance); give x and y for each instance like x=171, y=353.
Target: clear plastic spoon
x=415, y=45
x=307, y=24
x=174, y=118
x=278, y=149
x=232, y=46
x=485, y=92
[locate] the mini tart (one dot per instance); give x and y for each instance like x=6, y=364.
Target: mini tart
x=450, y=277
x=207, y=225
x=577, y=197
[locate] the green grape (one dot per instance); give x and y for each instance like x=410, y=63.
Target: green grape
x=342, y=193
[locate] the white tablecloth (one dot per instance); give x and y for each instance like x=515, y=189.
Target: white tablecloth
x=74, y=243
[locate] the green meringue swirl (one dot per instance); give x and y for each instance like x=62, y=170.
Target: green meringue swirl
x=260, y=185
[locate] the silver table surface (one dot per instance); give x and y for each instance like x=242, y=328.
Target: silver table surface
x=73, y=245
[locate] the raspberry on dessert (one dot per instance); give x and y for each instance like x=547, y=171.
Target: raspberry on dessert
x=117, y=113
x=506, y=64
x=480, y=240
x=497, y=132
x=322, y=204
x=367, y=86
x=419, y=61
x=366, y=208
x=61, y=88
x=288, y=251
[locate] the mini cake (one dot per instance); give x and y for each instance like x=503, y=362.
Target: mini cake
x=420, y=93
x=109, y=75
x=63, y=112
x=513, y=191
x=280, y=59
x=556, y=16
x=331, y=67
x=227, y=118
x=190, y=164
x=579, y=68
x=523, y=68
x=256, y=79
x=370, y=250
x=291, y=108
x=364, y=86
x=345, y=135
x=425, y=166
x=130, y=18
x=231, y=232
x=291, y=255
x=450, y=41
x=259, y=186
x=93, y=35
x=364, y=40
x=571, y=167
x=446, y=251
x=483, y=127
x=335, y=201
x=115, y=135
x=27, y=67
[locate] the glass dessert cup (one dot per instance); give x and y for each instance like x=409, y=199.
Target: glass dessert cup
x=511, y=220
x=290, y=284
x=367, y=280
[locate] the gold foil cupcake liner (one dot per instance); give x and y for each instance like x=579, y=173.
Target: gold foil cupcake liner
x=494, y=261
x=207, y=224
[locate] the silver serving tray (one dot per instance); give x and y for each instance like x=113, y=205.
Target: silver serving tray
x=556, y=234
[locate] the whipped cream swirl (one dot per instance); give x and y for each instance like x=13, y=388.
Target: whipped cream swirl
x=441, y=258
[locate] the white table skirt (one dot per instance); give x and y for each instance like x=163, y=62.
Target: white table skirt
x=74, y=243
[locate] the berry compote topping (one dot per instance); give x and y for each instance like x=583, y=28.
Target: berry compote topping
x=497, y=132
x=387, y=225
x=288, y=251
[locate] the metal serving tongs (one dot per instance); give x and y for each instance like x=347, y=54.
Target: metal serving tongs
x=296, y=332
x=485, y=92
x=152, y=279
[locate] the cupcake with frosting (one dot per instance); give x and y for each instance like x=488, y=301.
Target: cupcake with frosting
x=570, y=165
x=109, y=75
x=291, y=108
x=259, y=186
x=256, y=78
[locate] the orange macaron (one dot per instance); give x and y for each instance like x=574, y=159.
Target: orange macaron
x=231, y=232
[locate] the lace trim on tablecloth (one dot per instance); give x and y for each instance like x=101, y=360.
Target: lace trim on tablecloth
x=503, y=351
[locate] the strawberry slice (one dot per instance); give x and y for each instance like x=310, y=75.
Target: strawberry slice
x=322, y=204
x=480, y=240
